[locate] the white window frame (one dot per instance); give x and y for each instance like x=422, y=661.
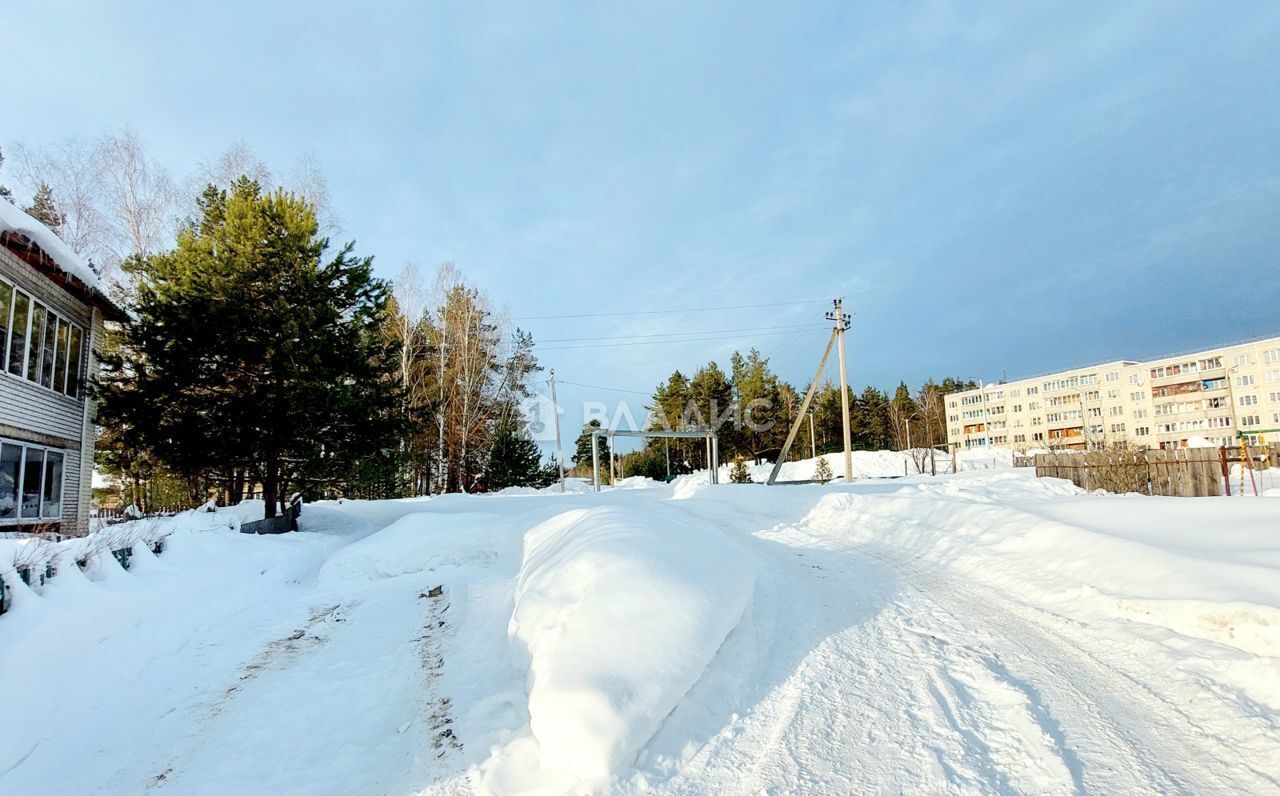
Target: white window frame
x=22, y=473
x=51, y=315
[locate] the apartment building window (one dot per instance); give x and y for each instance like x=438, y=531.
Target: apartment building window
x=30, y=482
x=1250, y=420
x=37, y=344
x=1096, y=428
x=1038, y=436
x=1271, y=355
x=1240, y=360
x=1141, y=431
x=1247, y=400
x=1017, y=407
x=1095, y=411
x=1244, y=381
x=1140, y=395
x=1113, y=394
x=1273, y=376
x=1094, y=395
x=1033, y=405
x=1035, y=421
x=1113, y=376
x=1222, y=421
x=1033, y=391
x=1133, y=378
x=1117, y=428
x=1019, y=437
x=1115, y=411
x=1212, y=363
x=1015, y=393
x=1274, y=397
x=1138, y=414
x=1213, y=403
x=1214, y=384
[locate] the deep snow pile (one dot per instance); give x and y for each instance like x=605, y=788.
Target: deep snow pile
x=619, y=613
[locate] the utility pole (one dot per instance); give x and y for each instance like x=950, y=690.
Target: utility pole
x=842, y=325
x=804, y=407
x=555, y=412
x=813, y=442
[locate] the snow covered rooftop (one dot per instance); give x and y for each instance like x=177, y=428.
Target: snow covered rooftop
x=38, y=236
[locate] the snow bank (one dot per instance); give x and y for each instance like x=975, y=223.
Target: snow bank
x=619, y=612
x=877, y=464
x=1203, y=568
x=415, y=543
x=572, y=485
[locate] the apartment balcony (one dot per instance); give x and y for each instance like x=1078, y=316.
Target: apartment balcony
x=1189, y=376
x=1072, y=423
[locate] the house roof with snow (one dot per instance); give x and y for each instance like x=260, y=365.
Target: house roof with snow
x=39, y=247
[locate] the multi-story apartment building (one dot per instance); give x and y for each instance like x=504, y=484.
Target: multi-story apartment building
x=1209, y=397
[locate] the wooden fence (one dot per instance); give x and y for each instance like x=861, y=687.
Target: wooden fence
x=1181, y=472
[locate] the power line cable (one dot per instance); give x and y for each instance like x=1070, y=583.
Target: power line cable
x=687, y=333
x=651, y=342
x=598, y=387
x=667, y=312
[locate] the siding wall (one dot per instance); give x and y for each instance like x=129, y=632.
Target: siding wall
x=26, y=406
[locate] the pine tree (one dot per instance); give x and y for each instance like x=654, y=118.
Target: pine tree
x=759, y=403
x=822, y=471
x=45, y=210
x=739, y=474
x=711, y=406
x=514, y=459
x=254, y=355
x=582, y=451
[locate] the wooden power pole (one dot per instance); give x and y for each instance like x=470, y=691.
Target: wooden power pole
x=842, y=325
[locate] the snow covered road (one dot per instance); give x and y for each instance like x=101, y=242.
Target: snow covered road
x=984, y=633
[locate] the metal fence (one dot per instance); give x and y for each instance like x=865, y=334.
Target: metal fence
x=281, y=523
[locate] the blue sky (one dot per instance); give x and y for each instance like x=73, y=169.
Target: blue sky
x=999, y=188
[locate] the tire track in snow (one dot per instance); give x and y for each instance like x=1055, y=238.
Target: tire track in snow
x=279, y=653
x=437, y=709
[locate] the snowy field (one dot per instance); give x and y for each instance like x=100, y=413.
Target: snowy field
x=985, y=632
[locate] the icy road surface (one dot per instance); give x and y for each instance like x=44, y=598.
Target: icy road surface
x=984, y=633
